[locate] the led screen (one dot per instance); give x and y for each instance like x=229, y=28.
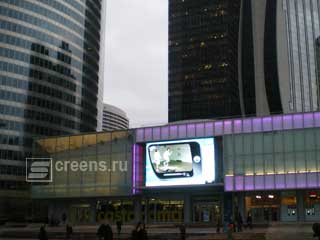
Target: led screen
x=182, y=162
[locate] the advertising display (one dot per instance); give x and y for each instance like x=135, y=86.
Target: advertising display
x=180, y=162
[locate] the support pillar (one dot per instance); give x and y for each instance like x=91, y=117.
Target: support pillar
x=300, y=206
x=187, y=208
x=93, y=212
x=137, y=210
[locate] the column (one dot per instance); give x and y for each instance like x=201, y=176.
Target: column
x=93, y=212
x=300, y=206
x=187, y=208
x=137, y=210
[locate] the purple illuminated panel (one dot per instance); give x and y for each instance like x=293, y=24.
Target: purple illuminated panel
x=218, y=128
x=297, y=121
x=156, y=133
x=280, y=181
x=290, y=181
x=140, y=135
x=227, y=127
x=148, y=134
x=249, y=183
x=287, y=122
x=209, y=129
x=200, y=130
x=312, y=180
x=267, y=124
x=247, y=126
x=308, y=120
x=134, y=171
x=317, y=119
x=182, y=131
x=269, y=182
x=237, y=126
x=191, y=130
x=257, y=126
x=228, y=183
x=173, y=132
x=165, y=132
x=272, y=182
x=301, y=180
x=239, y=183
x=277, y=122
x=259, y=182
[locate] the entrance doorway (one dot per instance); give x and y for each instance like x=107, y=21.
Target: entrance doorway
x=206, y=210
x=80, y=214
x=264, y=207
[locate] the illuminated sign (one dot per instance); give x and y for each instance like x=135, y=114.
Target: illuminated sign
x=182, y=162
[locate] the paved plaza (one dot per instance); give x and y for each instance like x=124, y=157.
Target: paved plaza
x=275, y=231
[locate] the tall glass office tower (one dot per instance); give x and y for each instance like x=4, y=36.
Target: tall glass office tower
x=243, y=57
x=303, y=29
x=49, y=66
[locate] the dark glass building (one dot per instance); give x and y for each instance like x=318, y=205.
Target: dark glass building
x=49, y=65
x=203, y=59
x=242, y=57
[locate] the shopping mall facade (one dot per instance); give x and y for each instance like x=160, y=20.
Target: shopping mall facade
x=193, y=172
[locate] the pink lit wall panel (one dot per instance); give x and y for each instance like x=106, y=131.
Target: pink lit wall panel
x=272, y=182
x=224, y=127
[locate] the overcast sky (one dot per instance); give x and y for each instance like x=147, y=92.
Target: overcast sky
x=136, y=68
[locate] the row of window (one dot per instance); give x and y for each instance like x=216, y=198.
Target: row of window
x=48, y=26
x=45, y=38
x=66, y=71
x=17, y=69
x=35, y=87
x=34, y=130
x=14, y=155
x=12, y=170
x=13, y=185
x=52, y=53
x=115, y=121
x=33, y=115
x=52, y=15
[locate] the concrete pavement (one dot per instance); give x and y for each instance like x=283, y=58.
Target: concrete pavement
x=290, y=231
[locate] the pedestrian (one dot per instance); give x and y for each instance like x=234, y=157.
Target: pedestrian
x=218, y=222
x=101, y=231
x=136, y=232
x=119, y=226
x=108, y=234
x=69, y=231
x=249, y=220
x=239, y=222
x=182, y=229
x=64, y=218
x=143, y=234
x=43, y=233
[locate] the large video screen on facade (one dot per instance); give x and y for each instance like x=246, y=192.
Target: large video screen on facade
x=180, y=162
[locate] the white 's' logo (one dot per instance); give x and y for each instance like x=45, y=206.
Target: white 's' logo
x=39, y=169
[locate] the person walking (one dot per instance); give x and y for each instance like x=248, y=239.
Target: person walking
x=239, y=222
x=101, y=231
x=135, y=235
x=182, y=229
x=218, y=224
x=143, y=234
x=249, y=220
x=69, y=231
x=43, y=233
x=119, y=226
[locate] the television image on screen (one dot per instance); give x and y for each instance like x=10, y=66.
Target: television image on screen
x=181, y=162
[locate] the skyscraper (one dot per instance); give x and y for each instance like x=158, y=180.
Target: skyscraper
x=243, y=57
x=203, y=59
x=49, y=65
x=114, y=118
